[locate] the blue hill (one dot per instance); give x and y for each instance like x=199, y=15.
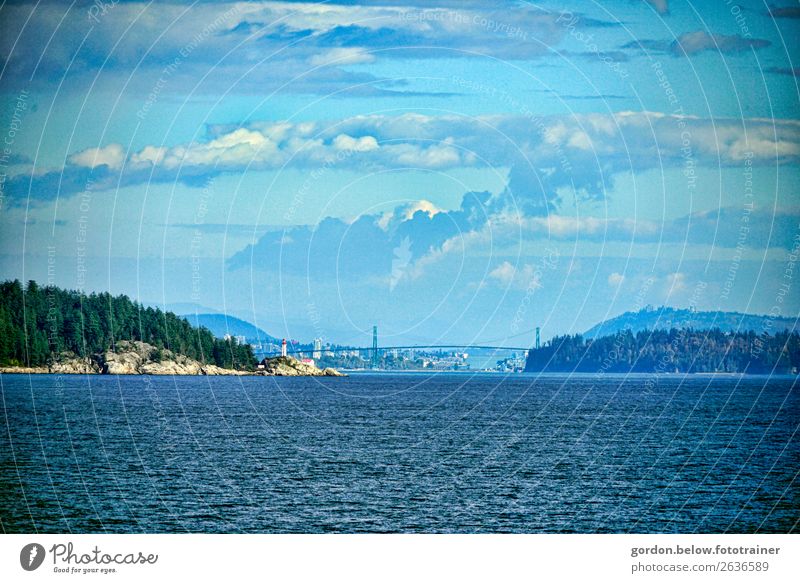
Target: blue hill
x=222, y=324
x=665, y=318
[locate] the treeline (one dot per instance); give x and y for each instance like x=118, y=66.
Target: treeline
x=38, y=324
x=676, y=350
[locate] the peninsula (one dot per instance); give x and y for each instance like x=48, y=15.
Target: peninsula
x=48, y=330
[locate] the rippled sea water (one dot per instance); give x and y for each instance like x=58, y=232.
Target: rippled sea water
x=399, y=453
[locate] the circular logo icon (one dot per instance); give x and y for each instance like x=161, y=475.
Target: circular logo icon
x=31, y=556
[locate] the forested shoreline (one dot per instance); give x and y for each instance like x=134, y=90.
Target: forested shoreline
x=668, y=351
x=39, y=325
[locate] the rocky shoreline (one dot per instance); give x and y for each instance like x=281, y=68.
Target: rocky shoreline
x=286, y=366
x=140, y=358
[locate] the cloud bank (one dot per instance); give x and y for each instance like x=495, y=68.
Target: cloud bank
x=583, y=152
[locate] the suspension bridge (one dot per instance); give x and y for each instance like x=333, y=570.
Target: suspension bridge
x=375, y=350
x=414, y=347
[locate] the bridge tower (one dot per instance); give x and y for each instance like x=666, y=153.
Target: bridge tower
x=537, y=337
x=374, y=347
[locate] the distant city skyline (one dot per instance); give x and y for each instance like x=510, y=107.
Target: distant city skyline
x=450, y=171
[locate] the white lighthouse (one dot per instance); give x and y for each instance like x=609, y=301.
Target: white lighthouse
x=283, y=347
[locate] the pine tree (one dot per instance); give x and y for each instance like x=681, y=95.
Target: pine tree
x=37, y=324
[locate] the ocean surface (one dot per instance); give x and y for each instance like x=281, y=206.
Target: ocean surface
x=400, y=453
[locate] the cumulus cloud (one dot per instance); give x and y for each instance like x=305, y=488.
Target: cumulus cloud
x=581, y=152
x=363, y=245
x=149, y=156
x=112, y=156
x=235, y=38
x=408, y=211
x=521, y=277
x=432, y=238
x=504, y=273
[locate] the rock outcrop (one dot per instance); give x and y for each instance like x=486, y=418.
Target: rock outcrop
x=24, y=370
x=66, y=363
x=142, y=358
x=74, y=365
x=134, y=358
x=130, y=358
x=286, y=366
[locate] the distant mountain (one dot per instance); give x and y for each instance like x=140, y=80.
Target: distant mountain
x=666, y=318
x=221, y=324
x=184, y=308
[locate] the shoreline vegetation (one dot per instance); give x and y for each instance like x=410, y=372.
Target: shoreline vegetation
x=139, y=358
x=49, y=330
x=670, y=351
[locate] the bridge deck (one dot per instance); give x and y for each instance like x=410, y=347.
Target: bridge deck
x=409, y=347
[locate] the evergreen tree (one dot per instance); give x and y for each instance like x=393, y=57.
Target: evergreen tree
x=675, y=350
x=38, y=324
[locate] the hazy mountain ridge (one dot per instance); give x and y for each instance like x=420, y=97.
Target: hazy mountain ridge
x=222, y=324
x=666, y=318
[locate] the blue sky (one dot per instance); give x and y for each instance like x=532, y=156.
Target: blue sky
x=455, y=171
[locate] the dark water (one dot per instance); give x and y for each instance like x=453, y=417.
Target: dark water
x=399, y=453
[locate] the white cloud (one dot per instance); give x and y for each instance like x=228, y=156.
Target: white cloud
x=632, y=138
x=522, y=277
x=112, y=156
x=342, y=56
x=504, y=273
x=615, y=279
x=363, y=144
x=582, y=152
x=423, y=205
x=293, y=34
x=237, y=148
x=563, y=226
x=149, y=155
